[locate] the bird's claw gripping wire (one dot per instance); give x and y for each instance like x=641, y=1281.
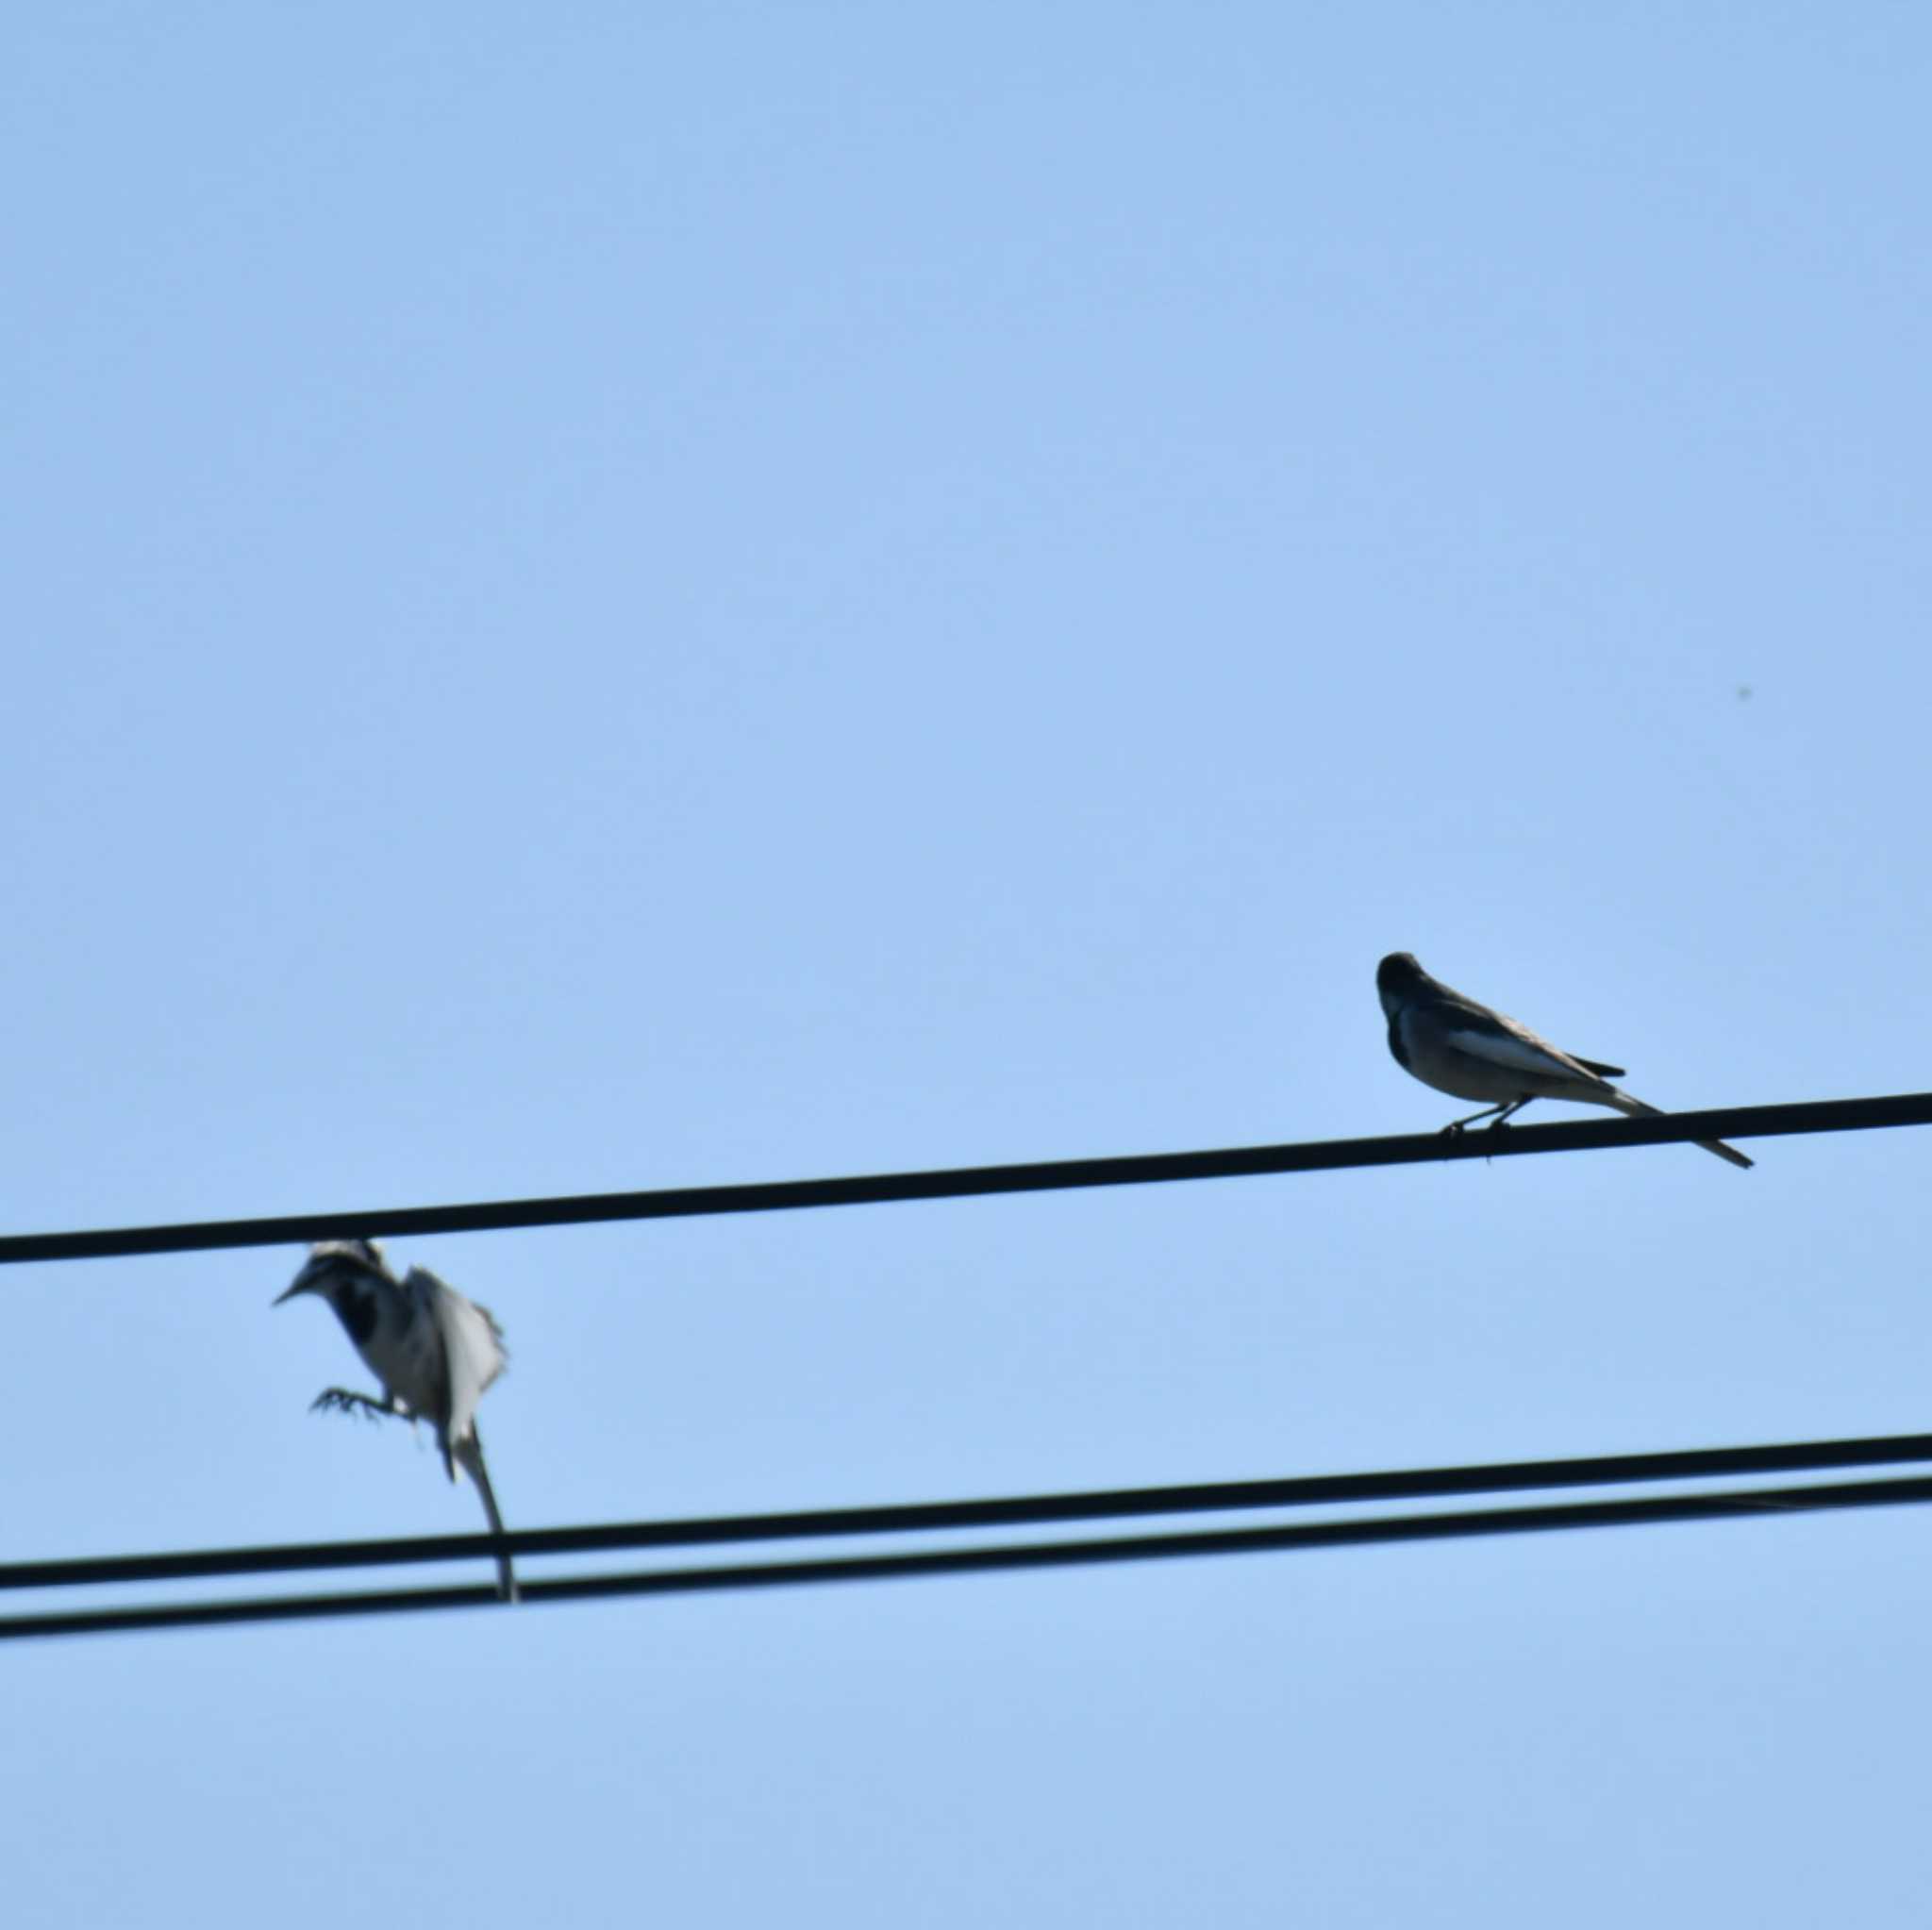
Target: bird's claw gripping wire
x=1457, y=1127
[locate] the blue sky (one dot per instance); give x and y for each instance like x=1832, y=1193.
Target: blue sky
x=620, y=597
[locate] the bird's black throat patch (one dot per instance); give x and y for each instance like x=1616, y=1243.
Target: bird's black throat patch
x=356, y=1309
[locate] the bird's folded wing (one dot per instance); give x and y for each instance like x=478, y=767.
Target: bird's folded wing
x=1517, y=1052
x=472, y=1343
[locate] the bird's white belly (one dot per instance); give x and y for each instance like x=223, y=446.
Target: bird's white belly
x=1442, y=1062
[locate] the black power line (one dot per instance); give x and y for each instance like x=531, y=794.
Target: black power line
x=967, y=1182
x=1468, y=1524
x=1005, y=1511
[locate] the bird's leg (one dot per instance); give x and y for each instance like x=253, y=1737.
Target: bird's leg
x=1500, y=1123
x=341, y=1400
x=1455, y=1125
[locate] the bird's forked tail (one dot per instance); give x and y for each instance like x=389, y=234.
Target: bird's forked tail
x=1624, y=1103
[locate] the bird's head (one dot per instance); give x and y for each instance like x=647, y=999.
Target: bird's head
x=335, y=1263
x=1398, y=978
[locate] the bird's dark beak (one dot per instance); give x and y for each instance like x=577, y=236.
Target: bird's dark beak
x=301, y=1284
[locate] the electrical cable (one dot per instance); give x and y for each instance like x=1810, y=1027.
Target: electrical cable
x=1596, y=1470
x=1364, y=1532
x=1005, y=1511
x=964, y=1182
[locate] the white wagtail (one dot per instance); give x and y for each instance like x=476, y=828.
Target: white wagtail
x=1463, y=1048
x=433, y=1351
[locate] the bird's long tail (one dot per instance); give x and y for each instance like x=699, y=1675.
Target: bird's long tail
x=1624, y=1103
x=469, y=1450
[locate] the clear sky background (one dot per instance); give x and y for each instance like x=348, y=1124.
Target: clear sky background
x=614, y=596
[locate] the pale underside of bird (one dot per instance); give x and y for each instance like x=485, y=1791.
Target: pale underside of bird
x=1462, y=1047
x=433, y=1351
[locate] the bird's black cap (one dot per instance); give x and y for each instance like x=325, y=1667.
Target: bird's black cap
x=1397, y=970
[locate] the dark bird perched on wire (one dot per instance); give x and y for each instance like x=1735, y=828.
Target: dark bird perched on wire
x=433, y=1351
x=1447, y=1040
